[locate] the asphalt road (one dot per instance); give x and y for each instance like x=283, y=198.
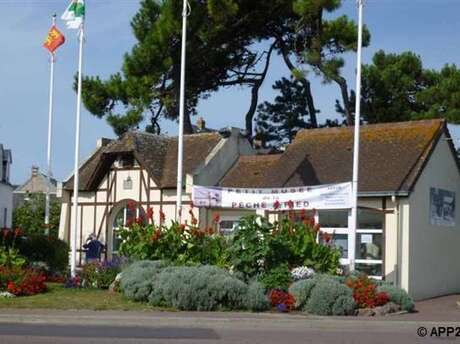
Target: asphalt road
x=48, y=326
x=370, y=333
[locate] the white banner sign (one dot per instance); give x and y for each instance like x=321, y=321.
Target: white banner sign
x=331, y=196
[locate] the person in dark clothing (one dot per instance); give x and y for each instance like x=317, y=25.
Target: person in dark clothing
x=93, y=249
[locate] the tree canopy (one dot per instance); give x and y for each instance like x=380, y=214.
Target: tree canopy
x=223, y=50
x=396, y=87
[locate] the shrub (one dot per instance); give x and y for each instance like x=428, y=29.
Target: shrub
x=50, y=250
x=21, y=282
x=100, y=274
x=256, y=300
x=259, y=246
x=327, y=297
x=31, y=213
x=136, y=279
x=344, y=305
x=301, y=291
x=281, y=300
x=398, y=296
x=202, y=288
x=178, y=243
x=365, y=292
x=277, y=278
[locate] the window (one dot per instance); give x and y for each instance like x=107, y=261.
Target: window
x=333, y=218
x=340, y=241
x=123, y=217
x=229, y=224
x=369, y=242
x=369, y=246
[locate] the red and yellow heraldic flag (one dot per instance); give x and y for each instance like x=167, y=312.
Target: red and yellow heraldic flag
x=54, y=39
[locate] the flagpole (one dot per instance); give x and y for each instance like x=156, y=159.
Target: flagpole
x=180, y=144
x=50, y=128
x=77, y=155
x=354, y=210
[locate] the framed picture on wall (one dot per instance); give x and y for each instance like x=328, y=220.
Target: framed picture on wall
x=442, y=207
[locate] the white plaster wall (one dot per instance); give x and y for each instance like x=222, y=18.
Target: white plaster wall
x=6, y=202
x=434, y=251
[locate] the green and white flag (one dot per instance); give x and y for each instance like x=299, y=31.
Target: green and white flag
x=74, y=14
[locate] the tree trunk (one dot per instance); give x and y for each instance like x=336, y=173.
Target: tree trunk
x=188, y=128
x=304, y=81
x=255, y=94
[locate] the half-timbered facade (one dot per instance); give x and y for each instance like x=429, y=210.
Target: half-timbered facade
x=142, y=167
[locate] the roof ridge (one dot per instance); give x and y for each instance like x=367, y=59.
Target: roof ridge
x=373, y=125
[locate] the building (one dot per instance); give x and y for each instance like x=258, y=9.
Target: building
x=409, y=225
x=37, y=183
x=408, y=222
x=142, y=167
x=6, y=189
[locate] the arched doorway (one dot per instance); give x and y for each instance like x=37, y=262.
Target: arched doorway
x=122, y=214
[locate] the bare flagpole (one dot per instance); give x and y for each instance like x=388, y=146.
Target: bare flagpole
x=50, y=128
x=75, y=221
x=354, y=209
x=180, y=143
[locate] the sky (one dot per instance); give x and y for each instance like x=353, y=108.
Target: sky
x=427, y=27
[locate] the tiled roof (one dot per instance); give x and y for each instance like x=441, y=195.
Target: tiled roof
x=156, y=153
x=392, y=156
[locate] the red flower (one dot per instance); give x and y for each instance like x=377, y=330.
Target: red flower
x=290, y=204
x=132, y=205
x=192, y=205
x=5, y=232
x=17, y=232
x=194, y=221
x=162, y=217
x=326, y=237
x=150, y=213
x=303, y=214
x=276, y=205
x=129, y=222
x=139, y=220
x=216, y=218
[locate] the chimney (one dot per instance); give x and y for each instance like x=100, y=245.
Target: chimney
x=101, y=142
x=34, y=171
x=201, y=124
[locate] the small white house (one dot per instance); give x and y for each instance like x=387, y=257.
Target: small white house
x=409, y=180
x=142, y=167
x=408, y=223
x=6, y=189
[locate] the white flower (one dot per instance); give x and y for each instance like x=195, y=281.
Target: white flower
x=7, y=294
x=259, y=221
x=302, y=272
x=261, y=262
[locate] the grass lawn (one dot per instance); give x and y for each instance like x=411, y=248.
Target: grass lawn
x=58, y=297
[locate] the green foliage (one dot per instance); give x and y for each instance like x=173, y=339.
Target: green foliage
x=277, y=278
x=259, y=246
x=396, y=87
x=398, y=296
x=30, y=216
x=277, y=123
x=99, y=275
x=203, y=288
x=256, y=299
x=10, y=258
x=50, y=250
x=330, y=298
x=136, y=280
x=177, y=243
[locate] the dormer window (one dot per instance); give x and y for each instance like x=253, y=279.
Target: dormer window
x=127, y=161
